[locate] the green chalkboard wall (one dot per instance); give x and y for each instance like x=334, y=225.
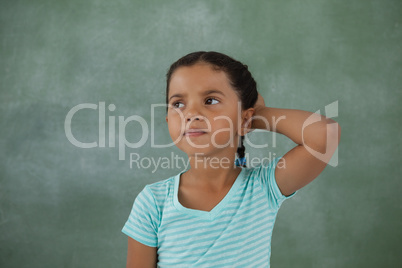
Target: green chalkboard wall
x=64, y=206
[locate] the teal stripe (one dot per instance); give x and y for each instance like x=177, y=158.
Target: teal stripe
x=263, y=215
x=227, y=250
x=178, y=228
x=229, y=241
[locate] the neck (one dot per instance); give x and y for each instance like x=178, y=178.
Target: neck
x=213, y=172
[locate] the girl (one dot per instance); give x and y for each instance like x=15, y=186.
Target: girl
x=218, y=214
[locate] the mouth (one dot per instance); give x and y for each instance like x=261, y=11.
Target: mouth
x=194, y=132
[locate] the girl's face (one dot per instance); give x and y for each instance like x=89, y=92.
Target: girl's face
x=204, y=114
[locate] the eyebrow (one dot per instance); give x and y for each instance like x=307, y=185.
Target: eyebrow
x=211, y=91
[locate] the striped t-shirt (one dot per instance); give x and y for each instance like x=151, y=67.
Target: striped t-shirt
x=235, y=233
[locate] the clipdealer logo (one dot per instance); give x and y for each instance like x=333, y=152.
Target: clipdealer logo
x=330, y=109
x=109, y=122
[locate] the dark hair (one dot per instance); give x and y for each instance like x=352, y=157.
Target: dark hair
x=238, y=74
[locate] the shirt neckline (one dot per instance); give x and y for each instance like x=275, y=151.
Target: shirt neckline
x=201, y=213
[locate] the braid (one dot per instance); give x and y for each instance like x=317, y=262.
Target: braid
x=241, y=159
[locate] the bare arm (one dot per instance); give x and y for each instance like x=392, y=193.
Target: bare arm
x=316, y=136
x=140, y=255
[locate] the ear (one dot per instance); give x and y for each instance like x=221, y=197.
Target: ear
x=247, y=117
x=166, y=119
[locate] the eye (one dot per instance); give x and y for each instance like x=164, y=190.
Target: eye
x=211, y=101
x=177, y=104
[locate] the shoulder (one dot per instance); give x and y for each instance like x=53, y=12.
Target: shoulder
x=265, y=170
x=264, y=175
x=163, y=186
x=158, y=192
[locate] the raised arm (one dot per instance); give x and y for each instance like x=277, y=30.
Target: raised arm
x=316, y=136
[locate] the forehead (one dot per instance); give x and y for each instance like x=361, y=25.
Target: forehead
x=198, y=78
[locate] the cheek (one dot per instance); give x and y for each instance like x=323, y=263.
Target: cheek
x=229, y=121
x=225, y=130
x=174, y=125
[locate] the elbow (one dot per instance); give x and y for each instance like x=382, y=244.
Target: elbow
x=326, y=138
x=339, y=132
x=330, y=138
x=333, y=132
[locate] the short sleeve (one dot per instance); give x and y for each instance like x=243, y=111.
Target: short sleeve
x=266, y=174
x=142, y=224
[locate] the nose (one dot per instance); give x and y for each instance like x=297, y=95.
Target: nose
x=193, y=118
x=193, y=114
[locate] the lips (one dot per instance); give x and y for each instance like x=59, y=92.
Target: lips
x=194, y=132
